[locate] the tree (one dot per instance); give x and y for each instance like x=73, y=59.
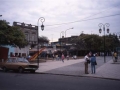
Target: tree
x=78, y=43
x=86, y=42
x=112, y=42
x=95, y=43
x=43, y=40
x=11, y=35
x=92, y=42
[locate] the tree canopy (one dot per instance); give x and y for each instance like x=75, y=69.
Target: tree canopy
x=43, y=40
x=11, y=35
x=95, y=42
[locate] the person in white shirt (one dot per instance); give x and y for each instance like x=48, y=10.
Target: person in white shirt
x=86, y=58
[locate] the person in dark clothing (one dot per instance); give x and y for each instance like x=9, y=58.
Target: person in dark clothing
x=93, y=63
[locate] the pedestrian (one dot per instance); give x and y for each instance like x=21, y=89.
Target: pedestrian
x=53, y=56
x=93, y=63
x=67, y=57
x=115, y=56
x=56, y=56
x=90, y=53
x=59, y=56
x=62, y=57
x=87, y=61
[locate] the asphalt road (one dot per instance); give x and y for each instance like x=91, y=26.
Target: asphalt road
x=27, y=81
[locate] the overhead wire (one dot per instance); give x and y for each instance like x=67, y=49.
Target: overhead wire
x=84, y=20
x=88, y=16
x=91, y=15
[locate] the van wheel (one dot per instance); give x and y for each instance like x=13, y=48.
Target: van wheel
x=4, y=69
x=20, y=70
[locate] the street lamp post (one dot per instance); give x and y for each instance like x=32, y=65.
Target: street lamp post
x=66, y=38
x=100, y=30
x=42, y=19
x=65, y=33
x=62, y=32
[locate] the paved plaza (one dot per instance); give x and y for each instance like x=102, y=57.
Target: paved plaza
x=108, y=70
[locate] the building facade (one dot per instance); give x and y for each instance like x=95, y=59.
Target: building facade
x=31, y=35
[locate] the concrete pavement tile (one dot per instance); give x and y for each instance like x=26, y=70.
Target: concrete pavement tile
x=108, y=70
x=71, y=67
x=47, y=66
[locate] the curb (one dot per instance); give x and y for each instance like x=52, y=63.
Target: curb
x=78, y=76
x=75, y=75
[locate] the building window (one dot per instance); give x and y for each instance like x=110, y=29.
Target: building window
x=33, y=37
x=26, y=36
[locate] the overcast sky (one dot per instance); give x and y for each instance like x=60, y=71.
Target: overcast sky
x=61, y=15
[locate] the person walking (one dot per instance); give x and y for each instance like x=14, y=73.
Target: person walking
x=67, y=57
x=59, y=56
x=115, y=56
x=56, y=56
x=87, y=59
x=62, y=57
x=53, y=56
x=93, y=63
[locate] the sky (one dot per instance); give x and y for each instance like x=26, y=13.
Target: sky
x=84, y=16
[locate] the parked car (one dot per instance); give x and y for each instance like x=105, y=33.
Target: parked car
x=18, y=64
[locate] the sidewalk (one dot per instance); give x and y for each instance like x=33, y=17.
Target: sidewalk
x=51, y=65
x=108, y=70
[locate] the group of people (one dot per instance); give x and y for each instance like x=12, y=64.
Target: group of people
x=90, y=59
x=59, y=57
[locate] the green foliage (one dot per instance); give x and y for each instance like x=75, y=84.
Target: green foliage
x=11, y=35
x=112, y=42
x=43, y=39
x=92, y=41
x=95, y=42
